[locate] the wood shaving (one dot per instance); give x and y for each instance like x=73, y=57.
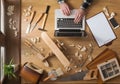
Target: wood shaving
x=77, y=54
x=78, y=47
x=83, y=49
x=30, y=8
x=72, y=45
x=68, y=69
x=46, y=64
x=75, y=66
x=90, y=45
x=10, y=10
x=71, y=60
x=90, y=59
x=25, y=20
x=16, y=33
x=38, y=39
x=12, y=25
x=80, y=70
x=81, y=55
x=27, y=12
x=41, y=49
x=35, y=40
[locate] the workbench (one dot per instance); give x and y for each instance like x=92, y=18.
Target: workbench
x=28, y=55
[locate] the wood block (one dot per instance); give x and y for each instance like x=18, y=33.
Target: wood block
x=61, y=57
x=102, y=57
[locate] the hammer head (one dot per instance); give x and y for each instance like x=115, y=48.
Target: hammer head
x=42, y=29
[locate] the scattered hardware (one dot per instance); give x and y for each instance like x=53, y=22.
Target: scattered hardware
x=109, y=69
x=53, y=74
x=10, y=10
x=62, y=58
x=31, y=20
x=106, y=11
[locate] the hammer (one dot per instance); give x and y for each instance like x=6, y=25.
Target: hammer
x=44, y=19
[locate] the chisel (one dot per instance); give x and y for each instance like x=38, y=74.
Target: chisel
x=31, y=19
x=35, y=24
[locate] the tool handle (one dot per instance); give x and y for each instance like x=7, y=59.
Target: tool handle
x=40, y=18
x=47, y=78
x=32, y=16
x=28, y=42
x=27, y=45
x=44, y=20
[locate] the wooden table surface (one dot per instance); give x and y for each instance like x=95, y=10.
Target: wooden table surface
x=28, y=55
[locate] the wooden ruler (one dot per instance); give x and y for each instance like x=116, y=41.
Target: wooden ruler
x=58, y=53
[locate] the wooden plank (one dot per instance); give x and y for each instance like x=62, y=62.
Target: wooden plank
x=62, y=58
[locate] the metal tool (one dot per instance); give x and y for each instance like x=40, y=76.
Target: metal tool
x=35, y=24
x=31, y=19
x=44, y=18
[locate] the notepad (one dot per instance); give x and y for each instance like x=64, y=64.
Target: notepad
x=101, y=29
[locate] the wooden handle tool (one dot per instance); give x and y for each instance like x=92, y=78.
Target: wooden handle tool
x=44, y=18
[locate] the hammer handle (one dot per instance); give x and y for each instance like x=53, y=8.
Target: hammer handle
x=50, y=76
x=44, y=20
